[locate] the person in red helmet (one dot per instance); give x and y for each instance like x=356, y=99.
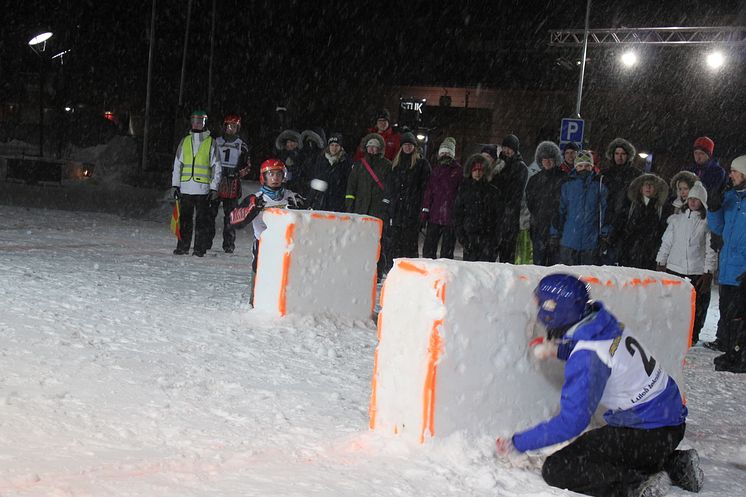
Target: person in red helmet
x=235, y=162
x=195, y=179
x=272, y=193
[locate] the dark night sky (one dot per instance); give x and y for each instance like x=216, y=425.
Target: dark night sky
x=331, y=58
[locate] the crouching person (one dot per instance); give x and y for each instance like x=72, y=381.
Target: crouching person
x=272, y=194
x=634, y=454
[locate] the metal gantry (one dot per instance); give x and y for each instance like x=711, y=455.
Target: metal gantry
x=730, y=35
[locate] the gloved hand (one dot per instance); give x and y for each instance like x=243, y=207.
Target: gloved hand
x=543, y=348
x=504, y=447
x=176, y=191
x=296, y=202
x=424, y=216
x=716, y=242
x=259, y=202
x=704, y=283
x=554, y=243
x=212, y=196
x=603, y=244
x=661, y=268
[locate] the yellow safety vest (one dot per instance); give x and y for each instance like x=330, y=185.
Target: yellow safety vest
x=196, y=167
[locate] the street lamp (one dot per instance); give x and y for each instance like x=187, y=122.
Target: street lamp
x=715, y=60
x=38, y=44
x=629, y=58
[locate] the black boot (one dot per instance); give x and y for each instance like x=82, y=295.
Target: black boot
x=735, y=362
x=683, y=468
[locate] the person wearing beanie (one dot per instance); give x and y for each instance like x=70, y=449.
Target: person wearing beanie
x=581, y=223
x=569, y=152
x=382, y=127
x=195, y=178
x=685, y=251
x=474, y=216
x=617, y=177
x=330, y=171
x=542, y=200
x=645, y=225
x=726, y=218
x=366, y=184
x=438, y=203
x=448, y=147
x=510, y=181
x=405, y=188
x=706, y=167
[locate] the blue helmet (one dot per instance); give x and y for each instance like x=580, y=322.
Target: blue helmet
x=563, y=301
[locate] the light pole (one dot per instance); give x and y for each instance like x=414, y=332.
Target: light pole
x=38, y=44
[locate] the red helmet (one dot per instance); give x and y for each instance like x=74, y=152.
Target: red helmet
x=232, y=119
x=271, y=165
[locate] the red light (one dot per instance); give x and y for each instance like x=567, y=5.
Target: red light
x=109, y=115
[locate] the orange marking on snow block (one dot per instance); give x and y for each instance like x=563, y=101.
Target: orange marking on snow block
x=373, y=407
x=396, y=429
x=282, y=304
x=275, y=210
x=693, y=311
x=638, y=282
x=344, y=218
x=440, y=290
x=523, y=277
x=408, y=266
x=591, y=280
x=428, y=400
x=667, y=282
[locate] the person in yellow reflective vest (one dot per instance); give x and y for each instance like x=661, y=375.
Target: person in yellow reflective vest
x=195, y=180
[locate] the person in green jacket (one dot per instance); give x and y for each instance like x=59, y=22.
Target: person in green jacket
x=366, y=184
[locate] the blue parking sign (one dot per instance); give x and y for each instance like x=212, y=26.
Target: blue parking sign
x=571, y=130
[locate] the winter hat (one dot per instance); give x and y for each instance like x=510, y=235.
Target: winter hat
x=698, y=191
x=448, y=147
x=704, y=144
x=408, y=137
x=570, y=146
x=511, y=141
x=334, y=138
x=739, y=164
x=584, y=157
x=373, y=143
x=383, y=114
x=490, y=150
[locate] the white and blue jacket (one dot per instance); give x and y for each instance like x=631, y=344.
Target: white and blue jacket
x=606, y=365
x=730, y=223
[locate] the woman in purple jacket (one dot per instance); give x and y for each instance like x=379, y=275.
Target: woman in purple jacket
x=438, y=202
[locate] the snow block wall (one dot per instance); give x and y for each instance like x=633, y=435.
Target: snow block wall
x=316, y=262
x=453, y=338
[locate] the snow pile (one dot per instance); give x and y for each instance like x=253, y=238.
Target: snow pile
x=317, y=262
x=453, y=342
x=113, y=161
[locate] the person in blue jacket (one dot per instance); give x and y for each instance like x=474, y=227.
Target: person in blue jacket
x=634, y=453
x=727, y=218
x=580, y=225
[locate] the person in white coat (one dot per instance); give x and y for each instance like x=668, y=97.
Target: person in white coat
x=195, y=179
x=685, y=251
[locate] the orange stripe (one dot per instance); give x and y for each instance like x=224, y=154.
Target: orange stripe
x=671, y=282
x=282, y=304
x=373, y=407
x=428, y=400
x=694, y=311
x=408, y=266
x=275, y=210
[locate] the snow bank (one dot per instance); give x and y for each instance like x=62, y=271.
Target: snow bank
x=453, y=354
x=331, y=270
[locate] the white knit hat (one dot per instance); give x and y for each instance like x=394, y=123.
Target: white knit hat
x=448, y=147
x=739, y=164
x=698, y=191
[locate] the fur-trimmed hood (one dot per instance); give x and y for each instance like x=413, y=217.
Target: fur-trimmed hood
x=625, y=144
x=548, y=150
x=374, y=136
x=285, y=136
x=470, y=162
x=661, y=189
x=687, y=176
x=316, y=135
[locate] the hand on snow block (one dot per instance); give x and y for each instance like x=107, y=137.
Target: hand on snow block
x=543, y=348
x=504, y=447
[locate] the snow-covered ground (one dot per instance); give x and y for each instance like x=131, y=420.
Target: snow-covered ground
x=128, y=371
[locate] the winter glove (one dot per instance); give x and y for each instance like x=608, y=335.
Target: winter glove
x=212, y=196
x=543, y=348
x=176, y=191
x=704, y=283
x=716, y=242
x=554, y=243
x=661, y=268
x=296, y=202
x=259, y=202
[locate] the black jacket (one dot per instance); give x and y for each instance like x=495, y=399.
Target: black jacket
x=475, y=209
x=335, y=175
x=543, y=198
x=617, y=179
x=405, y=187
x=509, y=182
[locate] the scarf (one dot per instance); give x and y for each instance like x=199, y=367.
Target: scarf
x=273, y=194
